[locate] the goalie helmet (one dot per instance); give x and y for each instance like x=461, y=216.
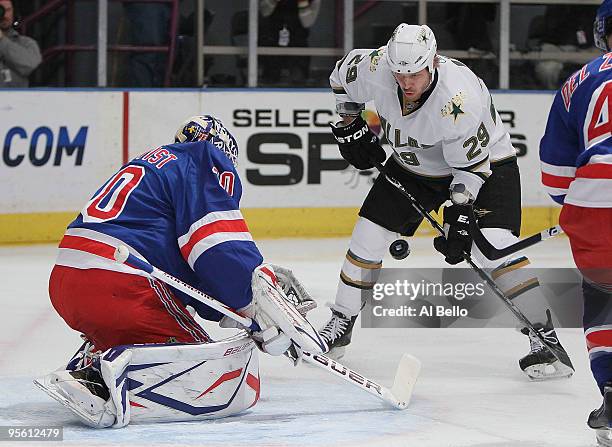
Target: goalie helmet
x=411, y=49
x=602, y=26
x=208, y=128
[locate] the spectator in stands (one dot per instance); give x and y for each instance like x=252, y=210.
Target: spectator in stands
x=469, y=23
x=149, y=26
x=286, y=23
x=562, y=28
x=19, y=55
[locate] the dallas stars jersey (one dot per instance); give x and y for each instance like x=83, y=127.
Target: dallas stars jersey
x=453, y=130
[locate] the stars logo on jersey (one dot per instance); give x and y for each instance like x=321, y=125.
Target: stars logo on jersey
x=375, y=58
x=456, y=111
x=454, y=106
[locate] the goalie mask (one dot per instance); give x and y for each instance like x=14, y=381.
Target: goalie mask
x=411, y=49
x=602, y=26
x=208, y=128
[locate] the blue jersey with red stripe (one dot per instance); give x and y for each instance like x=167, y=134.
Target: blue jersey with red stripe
x=576, y=149
x=177, y=206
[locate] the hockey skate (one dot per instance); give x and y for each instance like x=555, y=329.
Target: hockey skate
x=337, y=333
x=541, y=363
x=83, y=392
x=601, y=419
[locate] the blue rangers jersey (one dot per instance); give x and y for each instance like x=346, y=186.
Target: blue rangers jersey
x=576, y=150
x=176, y=206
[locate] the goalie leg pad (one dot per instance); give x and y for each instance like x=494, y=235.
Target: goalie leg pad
x=172, y=382
x=114, y=372
x=165, y=383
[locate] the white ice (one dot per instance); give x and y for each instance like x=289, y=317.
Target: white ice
x=470, y=392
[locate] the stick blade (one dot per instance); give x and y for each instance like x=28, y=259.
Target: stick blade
x=405, y=378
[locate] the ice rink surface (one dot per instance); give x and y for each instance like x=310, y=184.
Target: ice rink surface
x=470, y=392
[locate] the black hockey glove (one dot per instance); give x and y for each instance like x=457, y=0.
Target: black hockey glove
x=358, y=145
x=458, y=238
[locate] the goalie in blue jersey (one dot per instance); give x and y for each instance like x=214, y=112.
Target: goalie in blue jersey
x=177, y=207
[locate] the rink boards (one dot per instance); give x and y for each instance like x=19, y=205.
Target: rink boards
x=60, y=146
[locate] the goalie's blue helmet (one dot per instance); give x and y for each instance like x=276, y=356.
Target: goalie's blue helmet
x=208, y=128
x=602, y=26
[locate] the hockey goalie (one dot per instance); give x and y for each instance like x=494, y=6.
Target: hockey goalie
x=145, y=358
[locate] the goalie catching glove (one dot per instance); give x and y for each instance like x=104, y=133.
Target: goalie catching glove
x=357, y=144
x=279, y=307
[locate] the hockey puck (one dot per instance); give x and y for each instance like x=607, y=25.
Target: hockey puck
x=399, y=249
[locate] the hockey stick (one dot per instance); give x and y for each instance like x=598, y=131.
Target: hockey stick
x=558, y=353
x=492, y=253
x=405, y=377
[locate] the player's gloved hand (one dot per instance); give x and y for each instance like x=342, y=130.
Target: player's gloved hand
x=358, y=145
x=457, y=230
x=270, y=340
x=279, y=317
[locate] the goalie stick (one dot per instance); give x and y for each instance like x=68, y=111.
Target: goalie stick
x=558, y=353
x=405, y=376
x=492, y=253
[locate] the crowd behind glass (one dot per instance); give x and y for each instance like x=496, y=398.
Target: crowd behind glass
x=469, y=31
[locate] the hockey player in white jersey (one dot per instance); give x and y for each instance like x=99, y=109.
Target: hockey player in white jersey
x=448, y=142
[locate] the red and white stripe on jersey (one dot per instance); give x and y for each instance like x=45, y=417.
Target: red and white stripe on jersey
x=183, y=319
x=213, y=229
x=82, y=248
x=557, y=179
x=599, y=339
x=593, y=185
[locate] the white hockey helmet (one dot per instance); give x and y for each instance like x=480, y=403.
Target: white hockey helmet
x=411, y=49
x=208, y=128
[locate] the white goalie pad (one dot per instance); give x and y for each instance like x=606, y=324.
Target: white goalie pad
x=165, y=383
x=273, y=309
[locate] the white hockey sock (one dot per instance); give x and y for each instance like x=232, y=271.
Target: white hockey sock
x=362, y=265
x=514, y=276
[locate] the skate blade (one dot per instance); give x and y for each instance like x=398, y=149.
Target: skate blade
x=604, y=437
x=548, y=371
x=52, y=391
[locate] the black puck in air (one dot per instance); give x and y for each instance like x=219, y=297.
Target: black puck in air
x=399, y=249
